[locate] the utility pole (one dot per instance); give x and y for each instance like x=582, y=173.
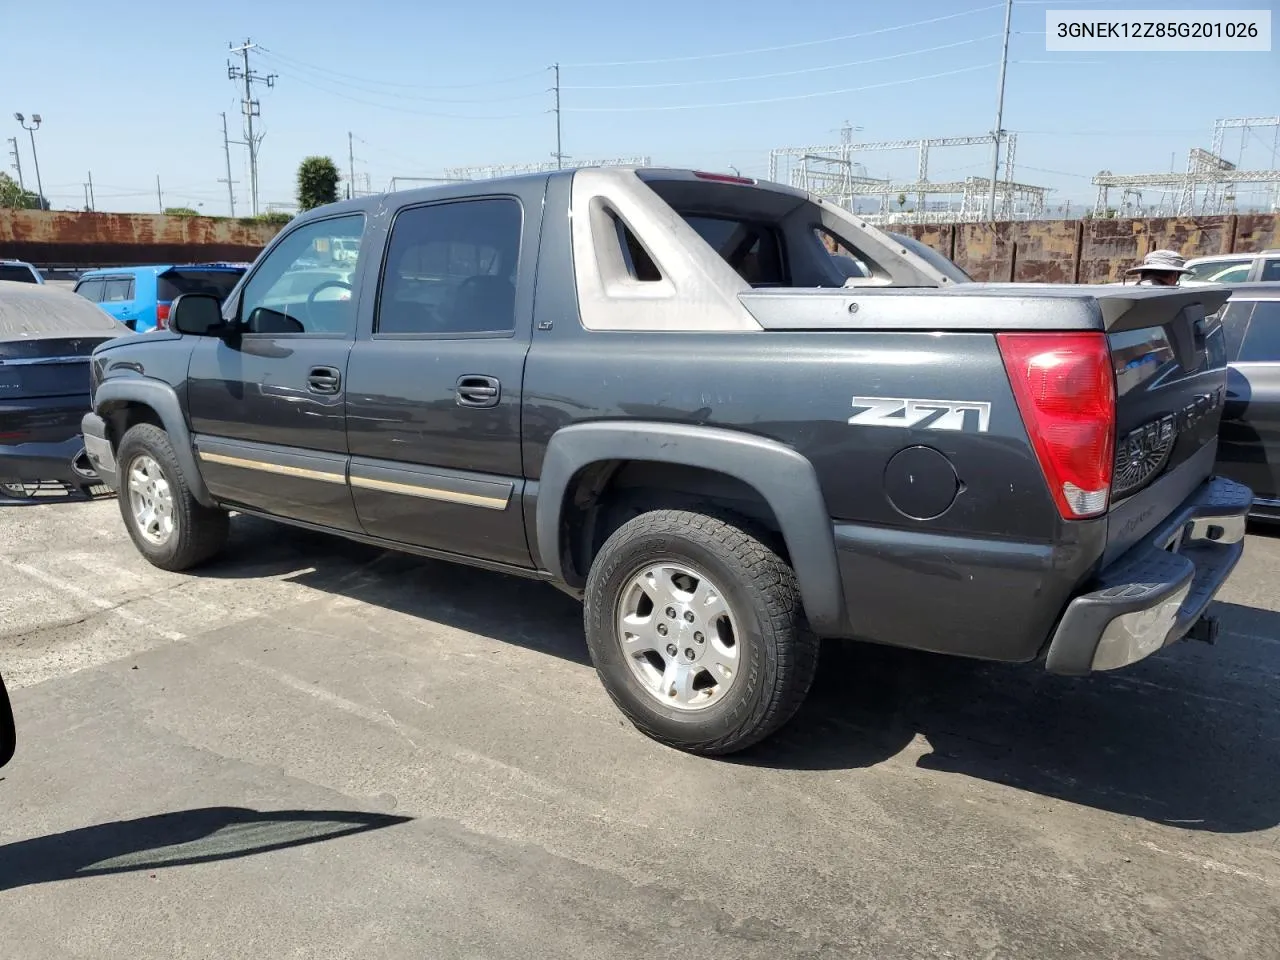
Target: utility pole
x=35, y=157
x=559, y=154
x=351, y=167
x=17, y=163
x=250, y=108
x=999, y=132
x=89, y=187
x=159, y=196
x=226, y=149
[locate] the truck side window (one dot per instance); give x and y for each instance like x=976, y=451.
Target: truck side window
x=306, y=284
x=451, y=269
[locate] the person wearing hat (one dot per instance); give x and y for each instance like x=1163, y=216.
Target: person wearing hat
x=1159, y=268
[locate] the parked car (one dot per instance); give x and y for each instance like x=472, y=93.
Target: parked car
x=46, y=338
x=656, y=390
x=140, y=297
x=1249, y=441
x=19, y=271
x=1233, y=268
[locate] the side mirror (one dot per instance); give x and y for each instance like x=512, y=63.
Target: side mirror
x=197, y=314
x=8, y=738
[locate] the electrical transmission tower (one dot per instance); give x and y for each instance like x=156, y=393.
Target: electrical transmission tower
x=251, y=108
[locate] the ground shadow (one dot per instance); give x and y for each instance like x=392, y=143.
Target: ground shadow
x=1190, y=737
x=525, y=613
x=175, y=840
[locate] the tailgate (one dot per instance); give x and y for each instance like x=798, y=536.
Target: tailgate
x=1170, y=362
x=47, y=367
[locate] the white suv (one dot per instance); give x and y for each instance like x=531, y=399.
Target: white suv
x=1233, y=268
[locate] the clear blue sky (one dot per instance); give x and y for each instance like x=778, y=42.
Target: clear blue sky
x=129, y=91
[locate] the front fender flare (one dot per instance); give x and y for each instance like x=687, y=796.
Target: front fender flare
x=785, y=479
x=163, y=399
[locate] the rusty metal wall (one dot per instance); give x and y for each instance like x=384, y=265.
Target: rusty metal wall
x=54, y=238
x=1090, y=251
x=1050, y=251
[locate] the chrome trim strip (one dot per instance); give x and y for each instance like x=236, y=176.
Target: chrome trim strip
x=280, y=468
x=433, y=493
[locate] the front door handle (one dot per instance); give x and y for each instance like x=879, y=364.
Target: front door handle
x=478, y=391
x=324, y=380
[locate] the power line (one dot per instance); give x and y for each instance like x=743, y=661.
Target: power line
x=329, y=76
x=783, y=73
x=789, y=46
x=798, y=96
x=294, y=61
x=395, y=109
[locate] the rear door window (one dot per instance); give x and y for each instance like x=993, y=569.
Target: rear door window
x=1261, y=341
x=91, y=290
x=451, y=269
x=117, y=290
x=1271, y=269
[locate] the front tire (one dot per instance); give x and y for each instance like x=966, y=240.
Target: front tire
x=696, y=630
x=167, y=524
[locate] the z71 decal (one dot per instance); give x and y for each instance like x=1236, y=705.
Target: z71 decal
x=926, y=414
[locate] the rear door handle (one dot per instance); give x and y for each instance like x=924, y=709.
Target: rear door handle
x=324, y=380
x=478, y=391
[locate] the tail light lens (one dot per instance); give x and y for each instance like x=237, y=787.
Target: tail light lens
x=162, y=316
x=1066, y=392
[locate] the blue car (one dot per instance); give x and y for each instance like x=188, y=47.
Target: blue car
x=140, y=297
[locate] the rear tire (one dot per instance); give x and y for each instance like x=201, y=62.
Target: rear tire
x=726, y=604
x=167, y=524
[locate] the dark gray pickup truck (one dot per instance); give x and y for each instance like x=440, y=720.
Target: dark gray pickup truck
x=662, y=392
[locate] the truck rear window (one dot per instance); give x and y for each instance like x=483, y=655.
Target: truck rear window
x=219, y=283
x=754, y=250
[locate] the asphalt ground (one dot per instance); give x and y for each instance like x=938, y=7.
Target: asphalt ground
x=317, y=749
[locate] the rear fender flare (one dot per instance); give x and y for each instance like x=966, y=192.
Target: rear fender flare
x=784, y=478
x=163, y=399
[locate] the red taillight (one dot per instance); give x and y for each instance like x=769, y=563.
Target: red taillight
x=1066, y=392
x=722, y=178
x=162, y=316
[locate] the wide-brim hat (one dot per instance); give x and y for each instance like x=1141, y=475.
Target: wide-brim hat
x=1164, y=261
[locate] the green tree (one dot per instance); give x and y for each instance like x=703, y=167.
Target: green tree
x=13, y=197
x=180, y=212
x=317, y=182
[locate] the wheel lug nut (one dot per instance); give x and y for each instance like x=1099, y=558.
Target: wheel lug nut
x=688, y=615
x=662, y=629
x=671, y=612
x=671, y=649
x=698, y=638
x=689, y=653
